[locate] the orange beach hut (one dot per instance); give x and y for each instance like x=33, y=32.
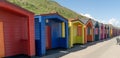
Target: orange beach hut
x=88, y=29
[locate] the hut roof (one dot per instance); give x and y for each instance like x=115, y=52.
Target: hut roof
x=84, y=20
x=94, y=22
x=56, y=13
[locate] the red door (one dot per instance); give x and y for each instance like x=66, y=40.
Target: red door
x=48, y=37
x=2, y=51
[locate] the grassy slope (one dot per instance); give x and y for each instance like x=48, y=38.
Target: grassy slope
x=45, y=6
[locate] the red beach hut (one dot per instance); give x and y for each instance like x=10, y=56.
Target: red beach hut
x=16, y=30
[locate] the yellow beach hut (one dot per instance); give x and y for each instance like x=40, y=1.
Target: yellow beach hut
x=76, y=32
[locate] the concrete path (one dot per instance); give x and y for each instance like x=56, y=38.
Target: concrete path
x=106, y=49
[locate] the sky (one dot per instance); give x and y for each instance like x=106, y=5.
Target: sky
x=105, y=11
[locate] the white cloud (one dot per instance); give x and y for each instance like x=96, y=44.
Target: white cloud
x=114, y=22
x=88, y=15
x=103, y=21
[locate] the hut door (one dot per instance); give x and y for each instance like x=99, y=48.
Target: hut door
x=48, y=37
x=1, y=40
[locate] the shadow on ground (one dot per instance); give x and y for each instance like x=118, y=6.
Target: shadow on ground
x=56, y=53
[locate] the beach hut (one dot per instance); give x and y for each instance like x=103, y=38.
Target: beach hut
x=102, y=31
x=96, y=30
x=117, y=31
x=105, y=35
x=76, y=32
x=111, y=30
x=88, y=29
x=107, y=28
x=108, y=31
x=51, y=31
x=105, y=31
x=114, y=31
x=16, y=31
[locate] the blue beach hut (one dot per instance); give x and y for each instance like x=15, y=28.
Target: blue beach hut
x=96, y=30
x=51, y=31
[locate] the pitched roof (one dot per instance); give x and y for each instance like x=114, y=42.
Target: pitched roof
x=94, y=22
x=84, y=20
x=14, y=8
x=76, y=19
x=106, y=25
x=110, y=26
x=56, y=13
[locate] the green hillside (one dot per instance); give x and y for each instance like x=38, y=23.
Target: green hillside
x=45, y=6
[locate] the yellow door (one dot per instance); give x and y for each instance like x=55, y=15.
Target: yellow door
x=74, y=34
x=2, y=53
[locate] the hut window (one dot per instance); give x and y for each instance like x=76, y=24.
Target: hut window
x=89, y=31
x=79, y=30
x=63, y=29
x=96, y=30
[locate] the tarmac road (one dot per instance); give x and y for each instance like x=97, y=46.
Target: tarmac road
x=106, y=49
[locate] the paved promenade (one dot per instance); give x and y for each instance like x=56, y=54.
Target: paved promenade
x=106, y=49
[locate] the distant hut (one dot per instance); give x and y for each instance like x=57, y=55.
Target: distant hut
x=102, y=31
x=96, y=30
